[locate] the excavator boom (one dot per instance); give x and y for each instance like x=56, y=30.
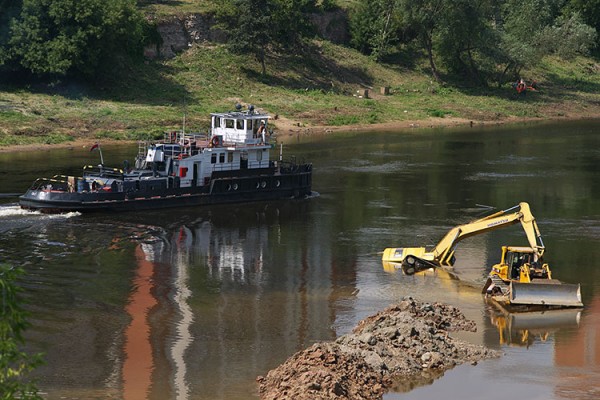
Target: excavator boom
x=442, y=253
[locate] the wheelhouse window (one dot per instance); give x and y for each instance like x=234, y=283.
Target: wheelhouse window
x=239, y=124
x=217, y=122
x=249, y=124
x=229, y=123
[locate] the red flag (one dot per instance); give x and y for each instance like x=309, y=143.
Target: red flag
x=94, y=147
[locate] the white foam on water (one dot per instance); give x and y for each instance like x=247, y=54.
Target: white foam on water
x=17, y=211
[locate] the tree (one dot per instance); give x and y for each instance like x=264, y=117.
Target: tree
x=259, y=26
x=291, y=22
x=375, y=26
x=86, y=37
x=8, y=10
x=533, y=29
x=569, y=36
x=424, y=18
x=589, y=12
x=14, y=364
x=465, y=40
x=249, y=23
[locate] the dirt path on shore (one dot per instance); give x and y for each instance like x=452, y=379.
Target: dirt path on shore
x=408, y=342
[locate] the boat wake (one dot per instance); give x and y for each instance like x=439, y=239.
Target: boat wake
x=13, y=217
x=13, y=211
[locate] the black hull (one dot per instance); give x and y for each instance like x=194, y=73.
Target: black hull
x=220, y=191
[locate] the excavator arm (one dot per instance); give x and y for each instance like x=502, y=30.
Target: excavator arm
x=442, y=254
x=444, y=250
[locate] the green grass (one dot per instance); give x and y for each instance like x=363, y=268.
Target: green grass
x=168, y=8
x=316, y=87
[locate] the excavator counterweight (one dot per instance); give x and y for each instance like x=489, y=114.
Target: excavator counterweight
x=521, y=277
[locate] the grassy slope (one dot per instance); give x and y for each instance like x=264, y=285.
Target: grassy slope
x=316, y=87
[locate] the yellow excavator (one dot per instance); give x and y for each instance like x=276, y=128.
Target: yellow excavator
x=521, y=278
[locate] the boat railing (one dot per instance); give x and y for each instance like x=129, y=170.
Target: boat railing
x=53, y=184
x=102, y=171
x=183, y=138
x=292, y=166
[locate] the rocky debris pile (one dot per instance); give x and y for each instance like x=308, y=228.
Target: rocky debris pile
x=409, y=340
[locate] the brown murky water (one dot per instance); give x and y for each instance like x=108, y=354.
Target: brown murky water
x=195, y=303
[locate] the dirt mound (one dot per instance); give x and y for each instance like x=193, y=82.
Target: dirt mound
x=409, y=340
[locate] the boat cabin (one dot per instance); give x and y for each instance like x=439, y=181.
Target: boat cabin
x=247, y=127
x=237, y=142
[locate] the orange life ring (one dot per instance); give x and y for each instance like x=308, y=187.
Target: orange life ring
x=214, y=141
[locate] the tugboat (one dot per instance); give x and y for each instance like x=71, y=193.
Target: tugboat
x=229, y=164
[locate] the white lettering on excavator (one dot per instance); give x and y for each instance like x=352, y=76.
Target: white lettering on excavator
x=498, y=222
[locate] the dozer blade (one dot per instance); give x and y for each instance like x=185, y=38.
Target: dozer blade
x=546, y=294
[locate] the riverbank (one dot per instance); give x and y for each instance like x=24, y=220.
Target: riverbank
x=286, y=127
x=408, y=342
x=343, y=91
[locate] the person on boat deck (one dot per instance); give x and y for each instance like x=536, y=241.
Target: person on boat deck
x=261, y=128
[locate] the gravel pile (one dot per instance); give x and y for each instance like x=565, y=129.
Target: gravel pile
x=407, y=341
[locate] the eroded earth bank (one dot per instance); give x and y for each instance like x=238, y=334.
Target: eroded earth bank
x=403, y=345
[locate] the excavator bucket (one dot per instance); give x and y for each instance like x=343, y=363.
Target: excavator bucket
x=545, y=294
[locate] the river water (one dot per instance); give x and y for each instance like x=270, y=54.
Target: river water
x=196, y=303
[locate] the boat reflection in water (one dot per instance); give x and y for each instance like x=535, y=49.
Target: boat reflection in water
x=216, y=301
x=138, y=363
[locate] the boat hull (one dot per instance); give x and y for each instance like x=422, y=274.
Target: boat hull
x=218, y=191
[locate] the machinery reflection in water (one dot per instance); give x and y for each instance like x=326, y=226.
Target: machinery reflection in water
x=514, y=329
x=527, y=328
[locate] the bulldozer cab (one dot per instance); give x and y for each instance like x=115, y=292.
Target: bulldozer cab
x=524, y=264
x=515, y=258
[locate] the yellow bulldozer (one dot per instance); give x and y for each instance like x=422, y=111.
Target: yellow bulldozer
x=521, y=278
